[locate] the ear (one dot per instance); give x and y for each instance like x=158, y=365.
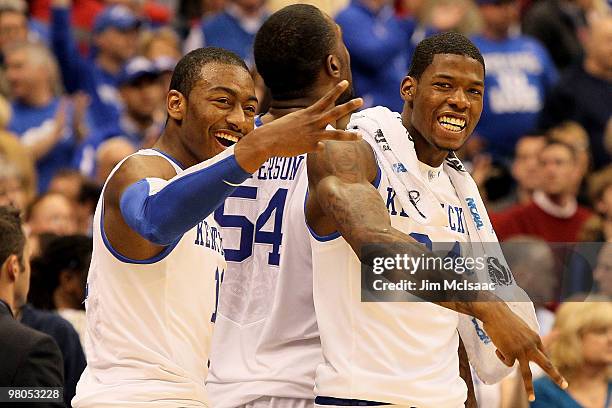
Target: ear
x=13, y=267
x=333, y=66
x=408, y=89
x=176, y=105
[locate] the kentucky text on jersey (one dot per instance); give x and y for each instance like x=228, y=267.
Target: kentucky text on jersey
x=283, y=168
x=212, y=238
x=455, y=214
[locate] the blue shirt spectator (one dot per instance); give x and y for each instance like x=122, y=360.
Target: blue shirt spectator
x=519, y=74
x=143, y=116
x=32, y=123
x=40, y=118
x=549, y=395
x=233, y=29
x=115, y=41
x=380, y=45
x=588, y=98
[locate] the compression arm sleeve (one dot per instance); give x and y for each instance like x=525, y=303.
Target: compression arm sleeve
x=163, y=210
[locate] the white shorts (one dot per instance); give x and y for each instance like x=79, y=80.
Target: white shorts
x=275, y=402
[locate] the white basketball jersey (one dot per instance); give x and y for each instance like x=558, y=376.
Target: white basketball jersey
x=398, y=353
x=266, y=340
x=149, y=323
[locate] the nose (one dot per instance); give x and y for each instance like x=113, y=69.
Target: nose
x=459, y=100
x=236, y=119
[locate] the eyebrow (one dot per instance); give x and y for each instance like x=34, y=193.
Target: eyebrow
x=232, y=92
x=447, y=76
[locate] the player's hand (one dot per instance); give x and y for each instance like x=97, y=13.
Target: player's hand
x=298, y=132
x=516, y=341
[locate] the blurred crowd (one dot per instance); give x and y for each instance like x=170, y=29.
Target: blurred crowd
x=83, y=85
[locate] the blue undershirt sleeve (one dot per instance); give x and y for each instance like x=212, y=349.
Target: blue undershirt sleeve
x=163, y=210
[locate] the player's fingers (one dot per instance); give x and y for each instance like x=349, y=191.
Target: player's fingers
x=507, y=361
x=341, y=110
x=330, y=97
x=544, y=362
x=527, y=381
x=340, y=135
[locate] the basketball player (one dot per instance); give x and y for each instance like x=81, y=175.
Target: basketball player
x=401, y=353
x=266, y=345
x=158, y=255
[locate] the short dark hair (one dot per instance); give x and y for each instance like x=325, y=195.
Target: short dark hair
x=290, y=49
x=444, y=43
x=188, y=70
x=12, y=238
x=61, y=253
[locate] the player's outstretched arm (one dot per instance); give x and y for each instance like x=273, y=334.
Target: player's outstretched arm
x=296, y=133
x=148, y=207
x=342, y=198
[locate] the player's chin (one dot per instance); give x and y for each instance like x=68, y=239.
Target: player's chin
x=449, y=144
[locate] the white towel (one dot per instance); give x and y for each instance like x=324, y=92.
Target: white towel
x=394, y=150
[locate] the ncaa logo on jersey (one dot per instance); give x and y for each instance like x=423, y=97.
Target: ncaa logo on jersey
x=474, y=211
x=399, y=168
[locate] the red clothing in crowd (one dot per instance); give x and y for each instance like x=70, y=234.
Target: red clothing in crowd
x=530, y=219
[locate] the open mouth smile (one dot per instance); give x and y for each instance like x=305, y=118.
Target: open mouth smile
x=226, y=139
x=451, y=123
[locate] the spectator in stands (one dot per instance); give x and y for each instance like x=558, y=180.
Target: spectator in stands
x=109, y=154
x=15, y=27
x=51, y=213
x=553, y=214
x=13, y=24
x=143, y=98
x=66, y=338
x=558, y=25
x=143, y=116
x=380, y=45
x=532, y=263
x=526, y=166
x=12, y=191
x=59, y=275
x=602, y=275
x=115, y=40
x=17, y=172
x=582, y=352
x=67, y=182
x=161, y=43
x=42, y=120
x=599, y=228
x=519, y=74
x=573, y=134
x=234, y=28
x=461, y=16
x=163, y=47
x=29, y=358
x=82, y=191
x=584, y=94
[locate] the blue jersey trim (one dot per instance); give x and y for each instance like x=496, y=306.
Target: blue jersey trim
x=343, y=402
x=164, y=253
x=320, y=238
x=258, y=121
x=336, y=234
x=376, y=181
x=167, y=156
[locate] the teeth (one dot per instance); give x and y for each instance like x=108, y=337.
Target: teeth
x=226, y=136
x=450, y=127
x=453, y=122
